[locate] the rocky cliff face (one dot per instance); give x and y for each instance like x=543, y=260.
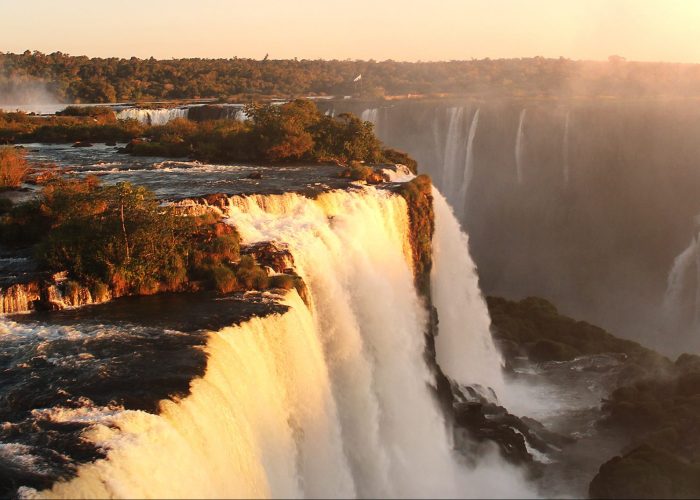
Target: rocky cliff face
x=48, y=292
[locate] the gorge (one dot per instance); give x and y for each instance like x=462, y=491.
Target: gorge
x=379, y=372
x=544, y=177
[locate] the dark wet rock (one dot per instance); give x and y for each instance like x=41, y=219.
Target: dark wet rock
x=533, y=327
x=209, y=112
x=688, y=363
x=110, y=143
x=82, y=144
x=550, y=350
x=646, y=472
x=658, y=413
x=515, y=436
x=255, y=175
x=271, y=254
x=44, y=292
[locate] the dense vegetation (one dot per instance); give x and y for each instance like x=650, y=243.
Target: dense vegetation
x=20, y=127
x=121, y=239
x=294, y=131
x=419, y=198
x=290, y=132
x=13, y=167
x=82, y=79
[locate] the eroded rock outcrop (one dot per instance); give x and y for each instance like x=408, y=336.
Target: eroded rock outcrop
x=48, y=292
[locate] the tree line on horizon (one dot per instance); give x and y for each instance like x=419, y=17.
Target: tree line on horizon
x=80, y=79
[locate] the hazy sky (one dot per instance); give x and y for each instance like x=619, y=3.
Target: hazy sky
x=648, y=30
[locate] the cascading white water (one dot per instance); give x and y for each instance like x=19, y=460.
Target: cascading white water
x=681, y=305
x=565, y=148
x=464, y=346
x=453, y=166
x=152, y=116
x=377, y=117
x=370, y=115
x=519, y=147
x=332, y=400
x=469, y=161
x=235, y=434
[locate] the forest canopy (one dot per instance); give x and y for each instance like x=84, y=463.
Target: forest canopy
x=103, y=80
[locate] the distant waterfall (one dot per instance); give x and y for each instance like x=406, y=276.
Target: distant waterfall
x=469, y=161
x=152, y=116
x=565, y=148
x=370, y=115
x=453, y=167
x=519, y=147
x=329, y=400
x=373, y=116
x=681, y=305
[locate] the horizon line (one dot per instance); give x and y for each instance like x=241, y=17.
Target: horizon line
x=621, y=59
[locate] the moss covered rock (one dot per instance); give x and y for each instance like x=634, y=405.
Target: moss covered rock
x=419, y=197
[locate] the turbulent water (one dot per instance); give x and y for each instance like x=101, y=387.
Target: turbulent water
x=332, y=398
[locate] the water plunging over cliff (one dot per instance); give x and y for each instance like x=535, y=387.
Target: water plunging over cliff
x=370, y=115
x=681, y=304
x=152, y=116
x=608, y=207
x=469, y=162
x=332, y=399
x=565, y=148
x=453, y=171
x=465, y=349
x=519, y=147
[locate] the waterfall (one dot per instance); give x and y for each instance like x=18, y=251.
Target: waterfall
x=565, y=148
x=370, y=115
x=469, y=161
x=453, y=167
x=464, y=346
x=152, y=116
x=681, y=304
x=519, y=148
x=377, y=119
x=326, y=400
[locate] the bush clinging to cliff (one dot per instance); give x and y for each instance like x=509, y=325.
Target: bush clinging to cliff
x=419, y=197
x=13, y=167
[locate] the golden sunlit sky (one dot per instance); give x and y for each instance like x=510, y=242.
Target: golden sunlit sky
x=410, y=30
